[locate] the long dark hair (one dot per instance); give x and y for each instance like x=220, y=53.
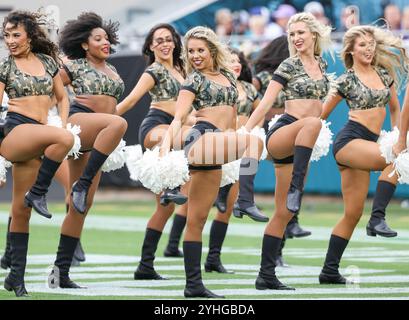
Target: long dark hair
x=245, y=73
x=177, y=52
x=32, y=25
x=272, y=55
x=76, y=32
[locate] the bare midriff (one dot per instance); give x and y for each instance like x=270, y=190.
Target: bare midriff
x=168, y=106
x=34, y=107
x=98, y=103
x=220, y=116
x=302, y=108
x=372, y=119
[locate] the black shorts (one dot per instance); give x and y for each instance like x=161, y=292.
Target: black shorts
x=14, y=119
x=153, y=118
x=352, y=130
x=283, y=121
x=199, y=129
x=77, y=108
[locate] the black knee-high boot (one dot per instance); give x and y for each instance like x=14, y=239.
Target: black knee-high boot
x=80, y=188
x=79, y=254
x=36, y=198
x=145, y=270
x=302, y=157
x=172, y=249
x=194, y=286
x=6, y=258
x=279, y=260
x=245, y=204
x=59, y=277
x=294, y=230
x=330, y=272
x=15, y=279
x=221, y=201
x=377, y=224
x=172, y=195
x=267, y=277
x=217, y=234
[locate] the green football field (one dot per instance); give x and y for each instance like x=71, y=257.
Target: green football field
x=113, y=237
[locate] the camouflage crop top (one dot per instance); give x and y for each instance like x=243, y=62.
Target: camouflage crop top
x=264, y=77
x=87, y=80
x=19, y=84
x=245, y=106
x=166, y=86
x=358, y=96
x=209, y=93
x=298, y=84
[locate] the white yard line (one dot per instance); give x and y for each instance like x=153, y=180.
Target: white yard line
x=251, y=229
x=111, y=289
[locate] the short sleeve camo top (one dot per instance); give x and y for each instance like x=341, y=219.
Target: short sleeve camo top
x=264, y=77
x=358, y=96
x=245, y=106
x=166, y=86
x=87, y=80
x=209, y=93
x=297, y=83
x=19, y=84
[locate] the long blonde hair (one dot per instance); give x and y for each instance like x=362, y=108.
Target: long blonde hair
x=220, y=53
x=322, y=32
x=396, y=63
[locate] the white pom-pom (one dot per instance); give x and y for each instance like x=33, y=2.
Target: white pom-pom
x=148, y=167
x=4, y=164
x=132, y=155
x=230, y=173
x=274, y=120
x=401, y=165
x=321, y=147
x=75, y=150
x=386, y=141
x=258, y=132
x=261, y=133
x=174, y=169
x=54, y=120
x=116, y=159
x=157, y=174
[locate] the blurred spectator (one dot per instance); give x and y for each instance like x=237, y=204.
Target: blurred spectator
x=349, y=18
x=317, y=10
x=392, y=15
x=224, y=22
x=240, y=22
x=281, y=17
x=405, y=23
x=256, y=34
x=369, y=11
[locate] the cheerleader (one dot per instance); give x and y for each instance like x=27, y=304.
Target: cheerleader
x=29, y=76
x=290, y=140
x=371, y=56
x=162, y=79
x=210, y=87
x=87, y=41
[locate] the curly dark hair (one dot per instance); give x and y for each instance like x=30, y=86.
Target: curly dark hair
x=245, y=73
x=76, y=32
x=272, y=55
x=177, y=52
x=32, y=22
